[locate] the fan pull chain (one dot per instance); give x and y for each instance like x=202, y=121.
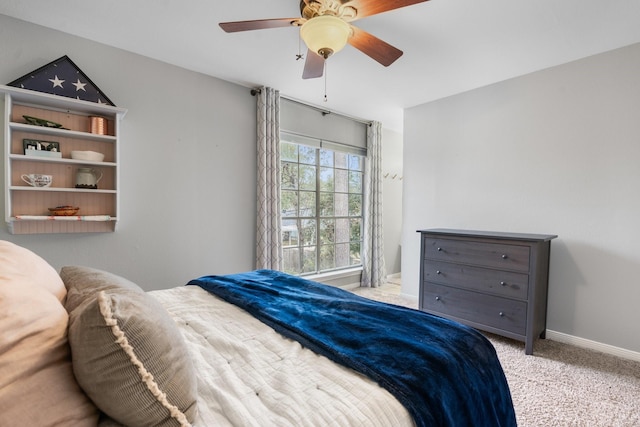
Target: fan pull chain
x=299, y=56
x=325, y=80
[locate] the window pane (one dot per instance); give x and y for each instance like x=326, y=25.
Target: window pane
x=307, y=155
x=289, y=176
x=288, y=152
x=327, y=260
x=355, y=253
x=343, y=258
x=290, y=235
x=291, y=260
x=356, y=229
x=342, y=204
x=341, y=160
x=355, y=205
x=327, y=231
x=309, y=260
x=326, y=179
x=289, y=203
x=307, y=177
x=343, y=231
x=308, y=232
x=326, y=158
x=355, y=182
x=307, y=204
x=356, y=163
x=342, y=178
x=326, y=204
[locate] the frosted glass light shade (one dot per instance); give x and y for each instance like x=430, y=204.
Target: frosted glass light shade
x=325, y=34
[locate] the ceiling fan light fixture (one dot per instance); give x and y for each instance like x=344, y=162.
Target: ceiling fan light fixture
x=325, y=34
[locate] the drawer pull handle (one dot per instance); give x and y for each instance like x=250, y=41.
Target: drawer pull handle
x=501, y=314
x=504, y=256
x=438, y=272
x=437, y=298
x=439, y=249
x=503, y=283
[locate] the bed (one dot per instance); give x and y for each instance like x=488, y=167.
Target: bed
x=258, y=348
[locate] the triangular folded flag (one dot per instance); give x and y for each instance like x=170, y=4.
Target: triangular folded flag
x=62, y=77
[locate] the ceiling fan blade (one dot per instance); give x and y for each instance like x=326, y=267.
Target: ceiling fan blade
x=313, y=66
x=373, y=7
x=377, y=49
x=260, y=24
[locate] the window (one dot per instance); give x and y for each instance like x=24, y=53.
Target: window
x=321, y=202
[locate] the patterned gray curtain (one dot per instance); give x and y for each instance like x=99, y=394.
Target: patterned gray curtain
x=374, y=271
x=268, y=230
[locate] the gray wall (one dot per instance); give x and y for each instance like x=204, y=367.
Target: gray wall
x=392, y=199
x=187, y=164
x=554, y=152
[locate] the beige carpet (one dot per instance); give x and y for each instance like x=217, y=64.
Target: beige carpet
x=560, y=385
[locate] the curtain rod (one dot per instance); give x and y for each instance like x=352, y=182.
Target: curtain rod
x=323, y=111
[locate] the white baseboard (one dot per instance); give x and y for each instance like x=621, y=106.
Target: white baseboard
x=592, y=345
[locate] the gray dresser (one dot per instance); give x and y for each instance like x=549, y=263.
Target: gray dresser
x=496, y=282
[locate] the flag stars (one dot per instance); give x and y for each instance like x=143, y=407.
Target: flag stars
x=57, y=82
x=63, y=78
x=79, y=85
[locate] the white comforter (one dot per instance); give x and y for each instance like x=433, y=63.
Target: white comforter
x=249, y=375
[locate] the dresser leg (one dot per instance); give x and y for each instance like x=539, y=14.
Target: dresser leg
x=528, y=346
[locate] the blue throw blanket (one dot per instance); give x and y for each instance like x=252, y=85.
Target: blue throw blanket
x=444, y=373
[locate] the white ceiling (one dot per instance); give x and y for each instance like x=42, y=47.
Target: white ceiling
x=450, y=46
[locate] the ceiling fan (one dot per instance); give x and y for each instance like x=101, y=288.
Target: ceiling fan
x=325, y=28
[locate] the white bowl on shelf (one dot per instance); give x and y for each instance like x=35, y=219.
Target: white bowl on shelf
x=89, y=156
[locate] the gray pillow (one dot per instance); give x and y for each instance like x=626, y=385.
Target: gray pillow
x=84, y=283
x=129, y=356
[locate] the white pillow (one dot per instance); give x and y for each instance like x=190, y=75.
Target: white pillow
x=37, y=385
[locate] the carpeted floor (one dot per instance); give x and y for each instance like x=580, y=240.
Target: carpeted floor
x=560, y=385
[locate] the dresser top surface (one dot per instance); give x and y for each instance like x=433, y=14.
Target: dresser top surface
x=488, y=234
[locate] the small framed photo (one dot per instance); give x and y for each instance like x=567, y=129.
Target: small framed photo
x=37, y=145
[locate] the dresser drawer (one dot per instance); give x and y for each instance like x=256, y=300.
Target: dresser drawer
x=494, y=255
x=485, y=280
x=496, y=312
